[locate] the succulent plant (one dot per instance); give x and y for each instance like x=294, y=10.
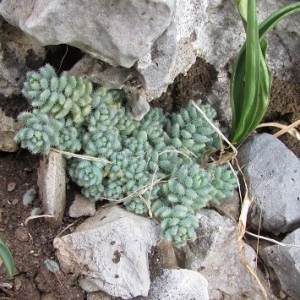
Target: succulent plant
x=86, y=173
x=58, y=96
x=177, y=222
x=190, y=133
x=155, y=162
x=39, y=134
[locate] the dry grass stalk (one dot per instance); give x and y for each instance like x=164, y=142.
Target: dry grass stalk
x=36, y=217
x=291, y=129
x=85, y=157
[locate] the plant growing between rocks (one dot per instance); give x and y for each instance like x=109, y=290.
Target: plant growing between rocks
x=153, y=166
x=251, y=79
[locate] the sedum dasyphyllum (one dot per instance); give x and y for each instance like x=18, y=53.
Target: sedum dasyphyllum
x=154, y=163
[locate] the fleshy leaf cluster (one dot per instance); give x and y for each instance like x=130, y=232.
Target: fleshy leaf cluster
x=153, y=165
x=58, y=96
x=39, y=134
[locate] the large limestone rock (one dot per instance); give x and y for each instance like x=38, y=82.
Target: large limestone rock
x=158, y=39
x=272, y=173
x=178, y=285
x=217, y=255
x=111, y=250
x=119, y=32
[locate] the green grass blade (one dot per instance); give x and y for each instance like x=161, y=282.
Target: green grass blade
x=242, y=121
x=7, y=258
x=264, y=86
x=270, y=22
x=252, y=73
x=237, y=89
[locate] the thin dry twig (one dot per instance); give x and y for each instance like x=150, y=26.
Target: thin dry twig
x=85, y=157
x=246, y=203
x=271, y=240
x=176, y=151
x=141, y=190
x=62, y=60
x=70, y=225
x=36, y=217
x=291, y=129
x=263, y=290
x=288, y=128
x=214, y=127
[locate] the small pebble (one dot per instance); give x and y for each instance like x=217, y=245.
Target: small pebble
x=18, y=283
x=82, y=207
x=21, y=234
x=282, y=295
x=11, y=186
x=15, y=201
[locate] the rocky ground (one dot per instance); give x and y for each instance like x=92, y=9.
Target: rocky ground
x=205, y=262
x=31, y=245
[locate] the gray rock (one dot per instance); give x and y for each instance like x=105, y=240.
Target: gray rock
x=17, y=54
x=286, y=264
x=137, y=99
x=52, y=187
x=102, y=73
x=82, y=207
x=178, y=285
x=284, y=41
x=216, y=255
x=118, y=32
x=160, y=39
x=230, y=206
x=272, y=173
x=111, y=250
x=159, y=67
x=8, y=129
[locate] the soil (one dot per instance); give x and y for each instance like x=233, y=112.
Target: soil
x=31, y=245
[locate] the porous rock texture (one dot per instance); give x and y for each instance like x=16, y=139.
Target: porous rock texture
x=158, y=39
x=284, y=261
x=119, y=32
x=178, y=285
x=221, y=258
x=111, y=250
x=272, y=173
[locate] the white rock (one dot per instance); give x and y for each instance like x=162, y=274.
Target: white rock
x=285, y=263
x=118, y=32
x=215, y=254
x=52, y=187
x=111, y=250
x=82, y=207
x=178, y=285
